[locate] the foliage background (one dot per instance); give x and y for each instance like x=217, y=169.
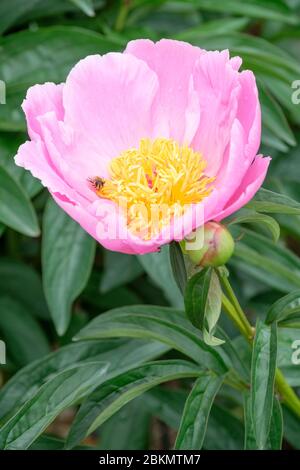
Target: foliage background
x=53, y=277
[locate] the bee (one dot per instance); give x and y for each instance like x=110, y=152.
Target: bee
x=97, y=183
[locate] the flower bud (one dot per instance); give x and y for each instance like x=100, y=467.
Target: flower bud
x=216, y=249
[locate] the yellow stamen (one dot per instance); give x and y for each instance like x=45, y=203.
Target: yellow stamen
x=156, y=182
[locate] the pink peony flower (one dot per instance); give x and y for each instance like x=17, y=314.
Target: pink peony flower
x=150, y=143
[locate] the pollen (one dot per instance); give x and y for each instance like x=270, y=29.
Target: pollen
x=154, y=183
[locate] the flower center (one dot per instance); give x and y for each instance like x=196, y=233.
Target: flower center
x=154, y=183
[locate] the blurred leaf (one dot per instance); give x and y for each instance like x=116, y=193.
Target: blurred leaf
x=85, y=5
x=271, y=264
x=162, y=18
x=18, y=11
x=60, y=392
x=44, y=55
x=121, y=354
x=160, y=323
x=12, y=10
x=167, y=404
x=20, y=282
x=284, y=307
x=20, y=331
x=274, y=203
x=266, y=9
x=45, y=442
x=178, y=266
x=196, y=412
x=262, y=380
x=16, y=210
x=273, y=117
x=224, y=430
x=158, y=267
x=291, y=427
x=117, y=392
x=292, y=321
x=119, y=432
x=248, y=216
x=119, y=269
x=8, y=148
x=67, y=258
x=288, y=354
x=222, y=26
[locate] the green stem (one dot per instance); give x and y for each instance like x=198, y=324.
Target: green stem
x=248, y=330
x=286, y=393
x=236, y=313
x=231, y=312
x=122, y=15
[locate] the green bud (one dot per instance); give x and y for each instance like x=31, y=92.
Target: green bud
x=217, y=247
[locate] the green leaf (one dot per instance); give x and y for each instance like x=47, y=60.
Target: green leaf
x=85, y=5
x=224, y=430
x=118, y=432
x=289, y=354
x=222, y=26
x=196, y=412
x=276, y=427
x=277, y=11
x=121, y=354
x=45, y=442
x=274, y=203
x=119, y=269
x=262, y=380
x=8, y=149
x=19, y=11
x=159, y=323
x=158, y=267
x=12, y=10
x=117, y=392
x=16, y=210
x=20, y=331
x=167, y=404
x=203, y=301
x=269, y=263
x=284, y=308
x=53, y=51
x=274, y=441
x=291, y=427
x=196, y=295
x=14, y=274
x=63, y=390
x=247, y=216
x=273, y=117
x=178, y=266
x=67, y=258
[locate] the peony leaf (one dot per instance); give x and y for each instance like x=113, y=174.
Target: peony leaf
x=67, y=258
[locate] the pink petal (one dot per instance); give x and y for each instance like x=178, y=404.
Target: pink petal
x=249, y=186
x=33, y=156
x=108, y=102
x=249, y=113
x=217, y=84
x=67, y=150
x=173, y=62
x=41, y=99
